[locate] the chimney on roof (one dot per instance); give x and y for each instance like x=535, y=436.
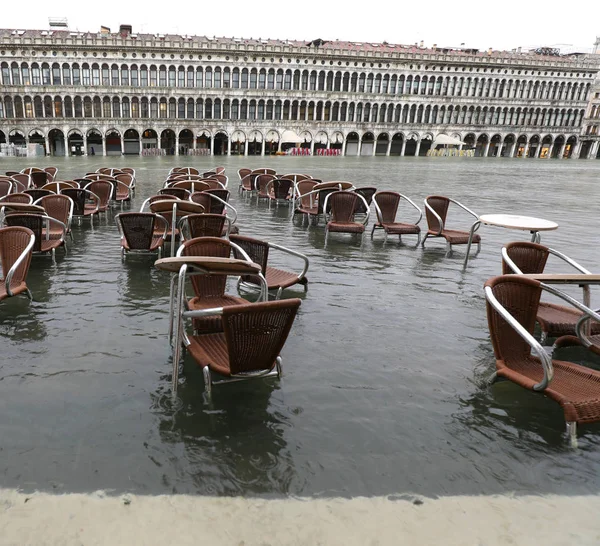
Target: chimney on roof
x=421, y=44
x=490, y=51
x=596, y=49
x=125, y=30
x=104, y=30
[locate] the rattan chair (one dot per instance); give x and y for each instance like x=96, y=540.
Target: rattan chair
x=173, y=210
x=39, y=224
x=277, y=279
x=555, y=320
x=180, y=193
x=6, y=187
x=37, y=193
x=204, y=225
x=86, y=204
x=59, y=207
x=253, y=336
x=39, y=178
x=246, y=186
x=214, y=204
x=16, y=198
x=141, y=232
x=436, y=211
x=52, y=171
x=386, y=207
x=512, y=306
x=367, y=193
x=21, y=182
x=104, y=190
x=343, y=205
x=280, y=190
x=16, y=244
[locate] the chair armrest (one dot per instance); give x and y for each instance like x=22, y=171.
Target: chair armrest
x=570, y=261
x=415, y=206
x=439, y=219
x=458, y=203
x=164, y=221
x=18, y=262
x=293, y=253
x=526, y=336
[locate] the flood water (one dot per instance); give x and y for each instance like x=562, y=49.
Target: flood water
x=384, y=372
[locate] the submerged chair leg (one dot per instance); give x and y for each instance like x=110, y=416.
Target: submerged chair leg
x=278, y=366
x=572, y=433
x=207, y=382
x=29, y=294
x=424, y=239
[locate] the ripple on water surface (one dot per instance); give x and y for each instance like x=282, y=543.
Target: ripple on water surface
x=384, y=371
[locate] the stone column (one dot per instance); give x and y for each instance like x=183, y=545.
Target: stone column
x=344, y=147
x=140, y=145
x=561, y=154
x=103, y=145
x=48, y=150
x=312, y=147
x=212, y=145
x=576, y=151
x=538, y=150
x=403, y=147
x=66, y=145
x=418, y=148
x=389, y=147
x=262, y=147
x=245, y=148
x=374, y=147
x=512, y=149
x=122, y=144
x=486, y=149
x=228, y=146
x=593, y=150
x=176, y=143
x=85, y=145
x=526, y=150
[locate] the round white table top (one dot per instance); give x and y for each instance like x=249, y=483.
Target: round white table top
x=514, y=221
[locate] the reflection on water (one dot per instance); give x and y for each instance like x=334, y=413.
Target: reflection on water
x=384, y=388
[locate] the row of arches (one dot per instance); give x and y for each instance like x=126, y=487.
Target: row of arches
x=38, y=107
x=223, y=77
x=256, y=142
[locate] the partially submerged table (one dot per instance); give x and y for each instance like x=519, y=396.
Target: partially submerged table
x=512, y=221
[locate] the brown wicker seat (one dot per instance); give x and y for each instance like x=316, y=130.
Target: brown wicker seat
x=343, y=204
x=436, y=211
x=513, y=300
x=59, y=207
x=16, y=244
x=277, y=279
x=253, y=336
x=103, y=189
x=86, y=204
x=386, y=207
x=209, y=290
x=280, y=190
x=36, y=223
x=141, y=232
x=554, y=319
x=204, y=225
x=16, y=198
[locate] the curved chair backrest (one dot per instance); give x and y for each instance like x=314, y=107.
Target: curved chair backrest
x=256, y=333
x=39, y=178
x=219, y=170
x=57, y=187
x=261, y=181
x=343, y=205
x=242, y=173
x=129, y=170
x=303, y=187
x=137, y=228
x=59, y=207
x=528, y=257
x=440, y=205
x=282, y=187
x=210, y=204
x=38, y=193
x=297, y=177
x=220, y=193
x=264, y=171
x=520, y=297
x=30, y=170
x=17, y=198
x=247, y=182
x=192, y=185
x=103, y=189
x=213, y=184
x=33, y=222
x=14, y=241
x=368, y=194
x=78, y=196
x=126, y=178
x=11, y=173
x=180, y=193
x=22, y=180
x=6, y=187
x=220, y=177
x=205, y=225
x=201, y=198
x=51, y=171
x=207, y=285
x=387, y=203
x=322, y=196
x=257, y=250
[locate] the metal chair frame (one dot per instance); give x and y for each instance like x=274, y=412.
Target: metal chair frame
x=380, y=217
x=474, y=228
x=11, y=272
x=536, y=347
x=364, y=221
x=158, y=251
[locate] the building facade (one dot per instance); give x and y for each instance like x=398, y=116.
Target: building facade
x=112, y=93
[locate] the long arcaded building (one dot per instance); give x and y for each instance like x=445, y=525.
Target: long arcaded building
x=112, y=93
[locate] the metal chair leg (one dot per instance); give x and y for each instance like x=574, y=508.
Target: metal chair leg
x=572, y=433
x=207, y=382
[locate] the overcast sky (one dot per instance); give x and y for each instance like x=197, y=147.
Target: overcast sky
x=501, y=25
